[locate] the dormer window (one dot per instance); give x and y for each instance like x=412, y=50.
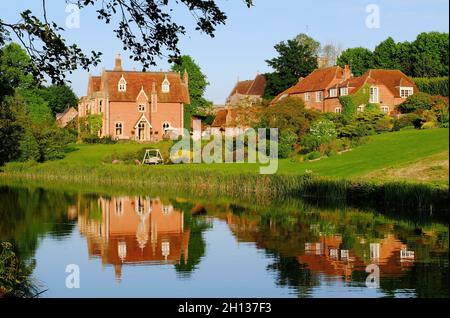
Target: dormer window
x=122, y=85
x=405, y=92
x=344, y=91
x=333, y=92
x=165, y=85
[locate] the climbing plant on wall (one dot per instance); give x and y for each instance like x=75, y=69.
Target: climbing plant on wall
x=350, y=103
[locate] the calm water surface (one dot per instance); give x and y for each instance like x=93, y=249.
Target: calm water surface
x=160, y=246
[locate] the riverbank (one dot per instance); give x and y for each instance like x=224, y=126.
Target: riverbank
x=358, y=175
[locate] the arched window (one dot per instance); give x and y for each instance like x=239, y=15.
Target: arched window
x=166, y=126
x=119, y=129
x=100, y=107
x=165, y=86
x=122, y=85
x=338, y=110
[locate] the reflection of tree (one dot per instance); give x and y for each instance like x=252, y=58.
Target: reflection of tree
x=197, y=244
x=27, y=214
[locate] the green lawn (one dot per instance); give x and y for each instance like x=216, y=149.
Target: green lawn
x=91, y=163
x=383, y=151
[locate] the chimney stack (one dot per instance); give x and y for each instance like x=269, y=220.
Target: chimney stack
x=347, y=72
x=186, y=77
x=118, y=64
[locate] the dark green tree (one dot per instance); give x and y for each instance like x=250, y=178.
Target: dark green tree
x=294, y=60
x=430, y=55
x=59, y=97
x=197, y=85
x=360, y=60
x=386, y=55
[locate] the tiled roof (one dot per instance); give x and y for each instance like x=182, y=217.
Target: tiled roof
x=221, y=118
x=108, y=83
x=136, y=80
x=251, y=87
x=318, y=80
x=392, y=79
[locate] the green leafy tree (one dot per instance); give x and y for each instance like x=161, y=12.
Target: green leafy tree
x=59, y=97
x=294, y=60
x=430, y=55
x=197, y=85
x=305, y=39
x=360, y=60
x=386, y=55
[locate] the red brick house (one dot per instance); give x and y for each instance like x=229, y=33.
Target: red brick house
x=251, y=91
x=66, y=117
x=142, y=106
x=322, y=88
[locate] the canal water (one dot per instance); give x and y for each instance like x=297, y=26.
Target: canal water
x=80, y=244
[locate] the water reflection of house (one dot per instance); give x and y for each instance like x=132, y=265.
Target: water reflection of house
x=326, y=256
x=136, y=230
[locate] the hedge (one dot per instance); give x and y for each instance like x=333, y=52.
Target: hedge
x=432, y=85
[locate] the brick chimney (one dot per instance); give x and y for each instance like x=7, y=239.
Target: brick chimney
x=118, y=63
x=186, y=77
x=347, y=72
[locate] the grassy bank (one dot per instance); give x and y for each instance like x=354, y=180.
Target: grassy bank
x=355, y=175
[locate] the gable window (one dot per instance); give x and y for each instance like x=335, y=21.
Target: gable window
x=338, y=110
x=141, y=108
x=385, y=109
x=344, y=91
x=307, y=97
x=374, y=94
x=122, y=85
x=165, y=86
x=333, y=92
x=119, y=129
x=319, y=96
x=405, y=92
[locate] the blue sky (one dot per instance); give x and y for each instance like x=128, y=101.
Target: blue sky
x=241, y=47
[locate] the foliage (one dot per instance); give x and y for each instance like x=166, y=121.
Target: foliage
x=295, y=59
x=386, y=55
x=95, y=139
x=321, y=131
x=313, y=155
x=420, y=101
x=146, y=28
x=407, y=120
x=10, y=132
x=288, y=114
x=59, y=98
x=197, y=85
x=286, y=144
x=350, y=103
x=14, y=274
x=360, y=60
x=433, y=85
x=366, y=123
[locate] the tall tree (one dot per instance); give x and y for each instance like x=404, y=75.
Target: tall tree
x=386, y=55
x=294, y=60
x=305, y=39
x=59, y=97
x=147, y=28
x=330, y=52
x=430, y=55
x=360, y=60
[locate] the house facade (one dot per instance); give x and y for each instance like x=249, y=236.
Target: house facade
x=141, y=106
x=250, y=92
x=322, y=88
x=66, y=117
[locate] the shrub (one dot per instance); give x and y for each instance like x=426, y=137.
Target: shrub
x=322, y=131
x=429, y=125
x=313, y=155
x=416, y=102
x=407, y=120
x=433, y=85
x=286, y=143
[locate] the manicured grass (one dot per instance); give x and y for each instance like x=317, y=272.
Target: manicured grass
x=384, y=151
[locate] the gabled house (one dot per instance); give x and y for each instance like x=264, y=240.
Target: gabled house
x=247, y=91
x=66, y=117
x=141, y=106
x=322, y=88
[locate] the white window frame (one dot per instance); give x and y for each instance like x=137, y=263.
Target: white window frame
x=121, y=129
x=141, y=108
x=385, y=109
x=333, y=92
x=307, y=97
x=405, y=92
x=319, y=96
x=338, y=110
x=344, y=91
x=165, y=86
x=122, y=85
x=374, y=98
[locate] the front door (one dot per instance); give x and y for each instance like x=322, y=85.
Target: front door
x=141, y=131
